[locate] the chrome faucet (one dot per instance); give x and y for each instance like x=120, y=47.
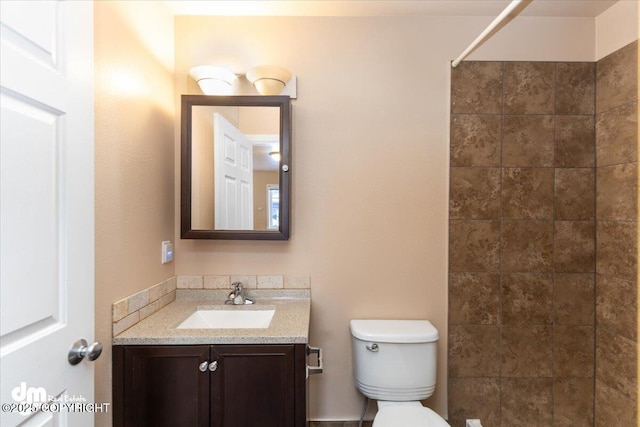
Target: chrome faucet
x=236, y=296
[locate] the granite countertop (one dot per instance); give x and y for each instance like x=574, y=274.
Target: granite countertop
x=289, y=325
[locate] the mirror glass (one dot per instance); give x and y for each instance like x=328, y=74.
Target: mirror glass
x=235, y=167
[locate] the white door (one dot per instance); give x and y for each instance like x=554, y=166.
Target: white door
x=46, y=210
x=233, y=176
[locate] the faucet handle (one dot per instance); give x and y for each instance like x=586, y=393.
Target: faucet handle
x=237, y=286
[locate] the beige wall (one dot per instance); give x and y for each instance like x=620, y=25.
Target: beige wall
x=616, y=27
x=370, y=164
x=259, y=121
x=134, y=163
x=202, y=202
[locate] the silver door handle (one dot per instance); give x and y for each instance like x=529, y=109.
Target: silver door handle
x=203, y=366
x=80, y=350
x=213, y=366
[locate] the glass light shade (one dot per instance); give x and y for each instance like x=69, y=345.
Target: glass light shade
x=214, y=87
x=275, y=155
x=268, y=79
x=268, y=86
x=213, y=80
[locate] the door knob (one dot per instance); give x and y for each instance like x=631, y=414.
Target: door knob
x=203, y=366
x=80, y=350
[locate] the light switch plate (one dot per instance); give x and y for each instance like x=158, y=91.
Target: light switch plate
x=167, y=251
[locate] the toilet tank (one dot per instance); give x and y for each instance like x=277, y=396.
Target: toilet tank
x=394, y=359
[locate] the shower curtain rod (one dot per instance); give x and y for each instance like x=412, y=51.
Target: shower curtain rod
x=483, y=35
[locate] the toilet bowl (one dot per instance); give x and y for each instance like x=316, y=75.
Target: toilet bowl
x=394, y=362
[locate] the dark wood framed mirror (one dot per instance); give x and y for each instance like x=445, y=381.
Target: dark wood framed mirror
x=233, y=186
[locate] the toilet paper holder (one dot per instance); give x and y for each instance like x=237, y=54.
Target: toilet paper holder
x=317, y=369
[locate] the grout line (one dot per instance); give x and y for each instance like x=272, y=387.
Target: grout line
x=553, y=262
x=595, y=237
x=500, y=252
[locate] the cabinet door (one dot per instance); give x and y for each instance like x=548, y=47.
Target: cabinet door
x=253, y=386
x=164, y=387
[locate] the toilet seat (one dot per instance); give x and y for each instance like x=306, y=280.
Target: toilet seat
x=407, y=416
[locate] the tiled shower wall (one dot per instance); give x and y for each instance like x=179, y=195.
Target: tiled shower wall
x=617, y=225
x=522, y=244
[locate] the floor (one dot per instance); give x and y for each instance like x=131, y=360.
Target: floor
x=338, y=424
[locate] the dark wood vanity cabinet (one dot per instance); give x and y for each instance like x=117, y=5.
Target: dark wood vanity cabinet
x=241, y=386
x=160, y=386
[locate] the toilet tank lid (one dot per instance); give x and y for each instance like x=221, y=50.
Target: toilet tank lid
x=394, y=331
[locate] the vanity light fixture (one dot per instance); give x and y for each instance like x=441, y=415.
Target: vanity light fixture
x=268, y=79
x=213, y=80
x=275, y=155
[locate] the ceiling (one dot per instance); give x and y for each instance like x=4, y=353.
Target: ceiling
x=560, y=8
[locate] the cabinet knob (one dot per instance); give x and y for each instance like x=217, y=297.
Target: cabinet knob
x=203, y=366
x=213, y=366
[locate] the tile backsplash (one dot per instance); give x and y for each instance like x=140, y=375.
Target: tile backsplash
x=248, y=281
x=134, y=308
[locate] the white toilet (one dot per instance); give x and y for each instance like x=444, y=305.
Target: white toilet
x=394, y=362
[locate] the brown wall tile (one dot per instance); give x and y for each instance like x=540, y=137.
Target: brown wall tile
x=527, y=193
x=575, y=88
x=617, y=305
x=617, y=78
x=475, y=398
x=475, y=193
x=476, y=140
x=613, y=408
x=474, y=351
x=574, y=243
x=526, y=351
x=573, y=402
x=522, y=271
x=527, y=402
x=616, y=362
x=527, y=141
x=617, y=135
x=527, y=246
x=617, y=196
x=529, y=87
x=573, y=351
x=574, y=298
x=474, y=298
x=575, y=142
x=617, y=214
x=575, y=193
x=474, y=245
x=617, y=249
x=527, y=298
x=476, y=88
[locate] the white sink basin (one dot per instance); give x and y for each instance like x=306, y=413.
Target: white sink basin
x=228, y=319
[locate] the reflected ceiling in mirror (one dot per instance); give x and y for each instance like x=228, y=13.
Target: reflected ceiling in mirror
x=232, y=188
